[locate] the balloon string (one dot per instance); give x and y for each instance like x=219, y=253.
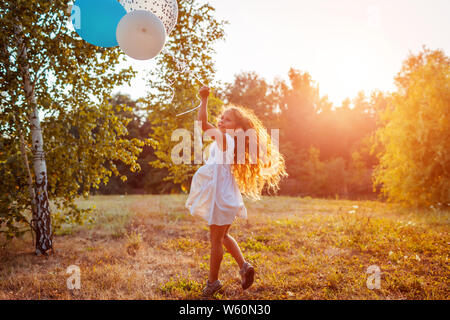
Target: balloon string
x=180, y=114
x=182, y=67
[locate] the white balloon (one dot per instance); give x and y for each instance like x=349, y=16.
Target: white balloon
x=141, y=35
x=166, y=10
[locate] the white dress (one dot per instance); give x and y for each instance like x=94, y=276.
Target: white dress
x=214, y=193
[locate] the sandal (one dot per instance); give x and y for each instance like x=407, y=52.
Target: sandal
x=211, y=288
x=247, y=274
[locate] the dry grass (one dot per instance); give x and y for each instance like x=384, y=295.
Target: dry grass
x=148, y=247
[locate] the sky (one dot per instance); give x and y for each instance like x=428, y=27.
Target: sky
x=347, y=46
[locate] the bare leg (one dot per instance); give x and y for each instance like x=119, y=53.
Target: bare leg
x=216, y=237
x=233, y=248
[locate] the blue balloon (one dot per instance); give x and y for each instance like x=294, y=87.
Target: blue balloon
x=96, y=21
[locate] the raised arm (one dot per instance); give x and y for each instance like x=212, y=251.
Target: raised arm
x=203, y=110
x=209, y=129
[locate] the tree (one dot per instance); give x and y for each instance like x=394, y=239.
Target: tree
x=47, y=72
x=191, y=42
x=314, y=174
x=414, y=166
x=251, y=91
x=148, y=179
x=297, y=104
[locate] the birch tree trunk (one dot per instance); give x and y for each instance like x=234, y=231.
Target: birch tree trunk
x=41, y=220
x=23, y=150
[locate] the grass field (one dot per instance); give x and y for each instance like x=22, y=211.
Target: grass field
x=149, y=247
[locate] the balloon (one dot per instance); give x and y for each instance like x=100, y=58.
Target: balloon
x=141, y=34
x=166, y=10
x=96, y=21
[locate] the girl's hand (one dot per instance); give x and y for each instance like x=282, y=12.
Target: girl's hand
x=204, y=93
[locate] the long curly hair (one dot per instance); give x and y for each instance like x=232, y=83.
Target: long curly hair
x=266, y=167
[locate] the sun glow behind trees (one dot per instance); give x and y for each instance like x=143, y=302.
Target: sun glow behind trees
x=345, y=45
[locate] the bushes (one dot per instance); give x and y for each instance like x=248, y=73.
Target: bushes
x=329, y=178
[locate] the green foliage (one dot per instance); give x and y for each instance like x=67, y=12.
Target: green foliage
x=148, y=179
x=415, y=137
x=83, y=132
x=181, y=285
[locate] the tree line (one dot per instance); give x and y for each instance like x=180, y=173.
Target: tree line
x=327, y=149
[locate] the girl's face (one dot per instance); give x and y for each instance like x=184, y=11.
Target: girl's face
x=226, y=121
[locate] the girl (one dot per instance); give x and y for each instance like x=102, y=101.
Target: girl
x=216, y=187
